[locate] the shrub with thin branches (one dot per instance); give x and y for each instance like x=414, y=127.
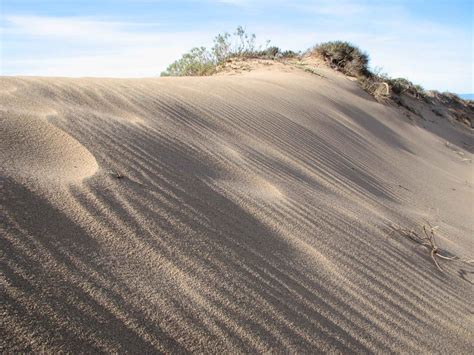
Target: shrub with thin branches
x=197, y=62
x=201, y=61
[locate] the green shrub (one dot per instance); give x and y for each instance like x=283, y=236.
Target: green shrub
x=201, y=61
x=240, y=44
x=345, y=57
x=269, y=53
x=245, y=43
x=197, y=62
x=289, y=54
x=222, y=47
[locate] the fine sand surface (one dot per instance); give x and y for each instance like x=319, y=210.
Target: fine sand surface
x=252, y=214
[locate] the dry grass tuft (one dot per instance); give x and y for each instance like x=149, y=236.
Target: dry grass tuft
x=376, y=87
x=117, y=174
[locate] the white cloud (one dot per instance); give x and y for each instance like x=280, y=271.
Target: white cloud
x=77, y=46
x=88, y=30
x=66, y=27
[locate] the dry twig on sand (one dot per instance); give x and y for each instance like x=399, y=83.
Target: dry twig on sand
x=427, y=239
x=117, y=174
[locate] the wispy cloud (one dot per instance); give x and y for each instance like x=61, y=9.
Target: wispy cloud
x=62, y=27
x=88, y=29
x=80, y=46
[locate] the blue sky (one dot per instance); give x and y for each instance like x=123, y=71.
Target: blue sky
x=429, y=42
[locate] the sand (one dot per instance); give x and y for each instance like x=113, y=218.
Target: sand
x=252, y=214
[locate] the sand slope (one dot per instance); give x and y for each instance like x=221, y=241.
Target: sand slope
x=252, y=216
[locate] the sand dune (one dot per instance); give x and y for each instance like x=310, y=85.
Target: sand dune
x=253, y=216
x=34, y=148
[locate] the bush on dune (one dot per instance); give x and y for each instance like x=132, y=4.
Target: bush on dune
x=401, y=86
x=197, y=62
x=381, y=86
x=240, y=44
x=351, y=60
x=345, y=57
x=201, y=61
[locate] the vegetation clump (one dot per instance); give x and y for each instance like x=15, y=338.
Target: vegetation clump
x=381, y=86
x=351, y=60
x=197, y=62
x=201, y=61
x=345, y=57
x=404, y=86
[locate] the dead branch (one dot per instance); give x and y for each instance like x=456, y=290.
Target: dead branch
x=427, y=239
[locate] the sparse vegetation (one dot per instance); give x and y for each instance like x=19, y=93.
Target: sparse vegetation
x=383, y=87
x=403, y=86
x=455, y=107
x=351, y=60
x=345, y=57
x=290, y=54
x=450, y=98
x=197, y=62
x=200, y=61
x=375, y=86
x=339, y=55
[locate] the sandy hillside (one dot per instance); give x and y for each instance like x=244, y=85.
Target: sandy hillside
x=237, y=213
